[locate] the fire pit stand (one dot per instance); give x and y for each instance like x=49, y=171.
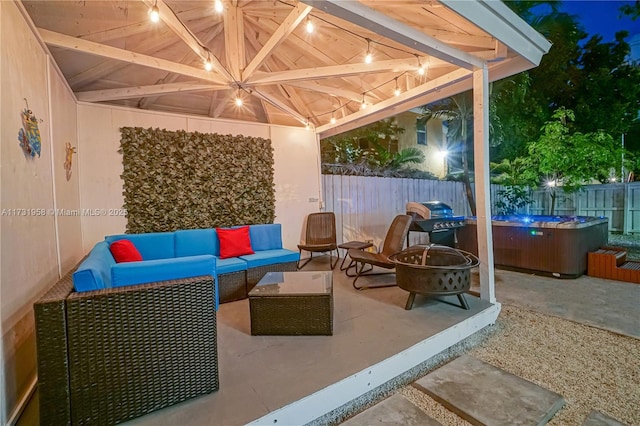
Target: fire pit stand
x=434, y=270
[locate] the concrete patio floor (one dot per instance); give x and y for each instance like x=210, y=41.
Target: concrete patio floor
x=261, y=374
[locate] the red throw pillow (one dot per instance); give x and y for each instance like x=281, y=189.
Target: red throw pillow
x=234, y=241
x=124, y=251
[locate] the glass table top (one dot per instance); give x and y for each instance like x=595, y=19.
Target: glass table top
x=291, y=283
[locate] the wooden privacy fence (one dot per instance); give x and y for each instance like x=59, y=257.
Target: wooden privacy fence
x=365, y=206
x=620, y=202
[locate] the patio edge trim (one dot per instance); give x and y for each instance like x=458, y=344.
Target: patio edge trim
x=336, y=395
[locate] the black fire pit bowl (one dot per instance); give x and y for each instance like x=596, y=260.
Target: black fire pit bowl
x=434, y=270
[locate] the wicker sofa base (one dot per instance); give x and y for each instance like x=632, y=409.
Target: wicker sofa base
x=111, y=355
x=232, y=286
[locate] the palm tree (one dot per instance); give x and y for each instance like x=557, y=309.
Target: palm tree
x=458, y=112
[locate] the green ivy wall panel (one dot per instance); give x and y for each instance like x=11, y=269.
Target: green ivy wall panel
x=187, y=180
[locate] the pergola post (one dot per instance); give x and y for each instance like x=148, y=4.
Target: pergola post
x=483, y=188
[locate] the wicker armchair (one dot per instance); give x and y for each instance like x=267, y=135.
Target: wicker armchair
x=320, y=236
x=111, y=355
x=393, y=243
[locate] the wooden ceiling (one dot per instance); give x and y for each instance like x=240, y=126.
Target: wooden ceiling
x=111, y=52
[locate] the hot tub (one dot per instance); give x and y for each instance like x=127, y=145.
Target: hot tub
x=552, y=245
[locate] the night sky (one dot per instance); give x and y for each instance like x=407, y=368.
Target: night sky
x=602, y=17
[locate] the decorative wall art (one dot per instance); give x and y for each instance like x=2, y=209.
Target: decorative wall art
x=186, y=180
x=68, y=158
x=29, y=134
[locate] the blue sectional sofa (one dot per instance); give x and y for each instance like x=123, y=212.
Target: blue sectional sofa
x=187, y=253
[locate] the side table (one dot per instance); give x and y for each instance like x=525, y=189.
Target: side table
x=359, y=245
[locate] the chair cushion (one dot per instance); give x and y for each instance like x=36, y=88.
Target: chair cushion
x=266, y=236
x=94, y=273
x=270, y=257
x=229, y=265
x=234, y=242
x=195, y=242
x=152, y=245
x=124, y=251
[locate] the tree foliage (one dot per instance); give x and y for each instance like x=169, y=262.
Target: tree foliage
x=561, y=157
x=370, y=150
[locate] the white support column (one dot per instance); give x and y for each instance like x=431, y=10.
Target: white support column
x=483, y=188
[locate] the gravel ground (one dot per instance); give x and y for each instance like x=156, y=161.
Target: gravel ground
x=589, y=367
x=630, y=242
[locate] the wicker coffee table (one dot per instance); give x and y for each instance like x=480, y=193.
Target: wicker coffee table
x=292, y=303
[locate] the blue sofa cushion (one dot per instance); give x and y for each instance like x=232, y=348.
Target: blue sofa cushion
x=195, y=242
x=266, y=236
x=152, y=246
x=229, y=265
x=148, y=271
x=94, y=273
x=269, y=257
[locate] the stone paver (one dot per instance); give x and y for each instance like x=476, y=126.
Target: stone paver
x=596, y=418
x=395, y=410
x=485, y=395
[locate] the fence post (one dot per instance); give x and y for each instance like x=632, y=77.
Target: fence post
x=626, y=227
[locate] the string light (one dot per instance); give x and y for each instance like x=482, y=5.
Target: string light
x=333, y=118
x=368, y=57
x=421, y=69
x=154, y=13
x=238, y=100
x=397, y=91
x=307, y=125
x=309, y=26
x=207, y=64
x=218, y=6
x=363, y=105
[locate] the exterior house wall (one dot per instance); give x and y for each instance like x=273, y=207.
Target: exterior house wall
x=434, y=161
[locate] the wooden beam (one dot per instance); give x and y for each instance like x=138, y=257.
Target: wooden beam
x=171, y=77
x=366, y=17
x=288, y=25
x=393, y=105
x=234, y=40
x=91, y=48
x=460, y=39
x=142, y=91
x=333, y=71
x=224, y=103
x=149, y=45
x=499, y=21
x=483, y=185
x=281, y=106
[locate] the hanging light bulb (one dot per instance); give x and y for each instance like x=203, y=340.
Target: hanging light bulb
x=363, y=105
x=397, y=91
x=421, y=68
x=309, y=27
x=333, y=119
x=218, y=6
x=307, y=125
x=154, y=13
x=368, y=57
x=238, y=100
x=207, y=63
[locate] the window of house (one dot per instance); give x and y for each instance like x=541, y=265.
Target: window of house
x=421, y=132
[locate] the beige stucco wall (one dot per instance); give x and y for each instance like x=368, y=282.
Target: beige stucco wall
x=434, y=162
x=30, y=242
x=296, y=169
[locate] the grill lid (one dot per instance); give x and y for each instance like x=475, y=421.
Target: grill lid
x=429, y=209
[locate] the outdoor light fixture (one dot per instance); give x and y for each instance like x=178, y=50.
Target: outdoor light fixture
x=154, y=13
x=207, y=63
x=218, y=6
x=307, y=125
x=309, y=26
x=397, y=91
x=238, y=100
x=421, y=69
x=364, y=103
x=333, y=119
x=368, y=57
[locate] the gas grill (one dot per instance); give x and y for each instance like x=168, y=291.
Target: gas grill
x=437, y=219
